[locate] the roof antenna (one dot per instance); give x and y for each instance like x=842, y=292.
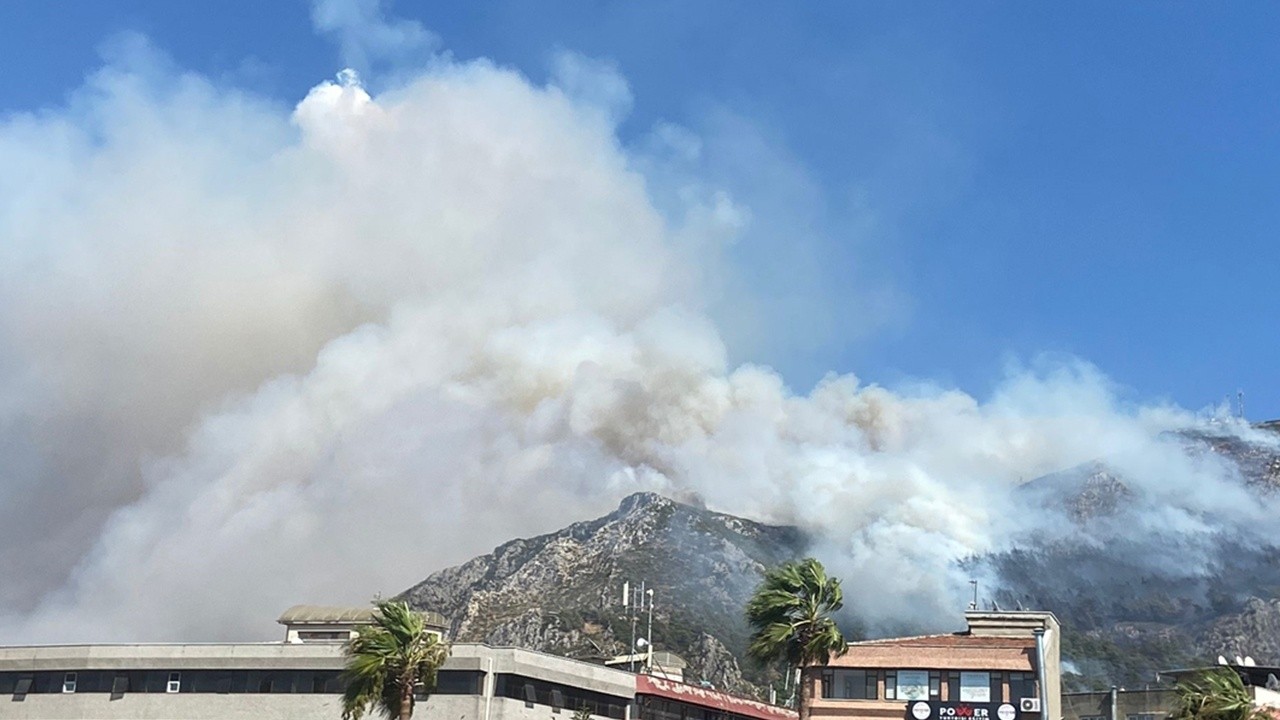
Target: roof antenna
x=974, y=605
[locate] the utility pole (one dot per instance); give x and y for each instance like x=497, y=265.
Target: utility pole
x=648, y=660
x=632, y=650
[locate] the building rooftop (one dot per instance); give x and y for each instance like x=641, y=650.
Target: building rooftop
x=951, y=640
x=331, y=615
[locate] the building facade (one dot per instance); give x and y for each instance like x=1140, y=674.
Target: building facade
x=1005, y=665
x=301, y=678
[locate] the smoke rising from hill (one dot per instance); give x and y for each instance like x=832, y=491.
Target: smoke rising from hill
x=253, y=355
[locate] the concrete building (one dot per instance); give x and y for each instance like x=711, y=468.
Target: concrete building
x=1004, y=665
x=300, y=678
x=289, y=680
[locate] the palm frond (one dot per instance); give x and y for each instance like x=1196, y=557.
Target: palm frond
x=1217, y=694
x=790, y=615
x=388, y=660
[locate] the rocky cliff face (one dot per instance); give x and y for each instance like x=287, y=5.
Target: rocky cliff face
x=562, y=592
x=1124, y=618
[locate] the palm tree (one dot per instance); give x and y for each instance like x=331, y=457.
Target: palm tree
x=1216, y=694
x=388, y=660
x=790, y=618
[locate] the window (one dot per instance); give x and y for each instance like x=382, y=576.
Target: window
x=849, y=684
x=322, y=635
x=1093, y=717
x=22, y=687
x=975, y=687
x=458, y=682
x=906, y=685
x=539, y=692
x=174, y=684
x=997, y=687
x=935, y=684
x=69, y=683
x=1145, y=716
x=1022, y=685
x=119, y=686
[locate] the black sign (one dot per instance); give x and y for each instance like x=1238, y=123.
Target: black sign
x=938, y=710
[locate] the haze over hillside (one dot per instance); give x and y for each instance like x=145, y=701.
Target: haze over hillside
x=1124, y=618
x=306, y=350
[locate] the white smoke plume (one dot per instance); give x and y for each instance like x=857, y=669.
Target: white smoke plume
x=254, y=355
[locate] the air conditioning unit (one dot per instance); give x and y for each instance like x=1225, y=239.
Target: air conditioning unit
x=1029, y=705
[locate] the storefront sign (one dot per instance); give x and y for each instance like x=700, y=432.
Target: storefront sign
x=938, y=710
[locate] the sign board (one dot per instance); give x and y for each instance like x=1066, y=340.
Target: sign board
x=913, y=684
x=938, y=710
x=975, y=687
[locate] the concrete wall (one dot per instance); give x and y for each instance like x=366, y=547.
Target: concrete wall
x=1128, y=702
x=284, y=706
x=1024, y=623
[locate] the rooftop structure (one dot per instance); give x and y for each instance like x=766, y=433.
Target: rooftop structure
x=1001, y=658
x=321, y=623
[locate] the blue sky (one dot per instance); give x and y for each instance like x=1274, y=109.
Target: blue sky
x=1096, y=180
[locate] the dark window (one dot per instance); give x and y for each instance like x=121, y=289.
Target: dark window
x=935, y=684
x=92, y=681
x=557, y=699
x=849, y=684
x=997, y=687
x=119, y=686
x=239, y=681
x=522, y=688
x=458, y=682
x=43, y=682
x=1021, y=685
x=8, y=681
x=322, y=635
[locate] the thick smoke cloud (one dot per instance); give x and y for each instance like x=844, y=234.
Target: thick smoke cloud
x=253, y=355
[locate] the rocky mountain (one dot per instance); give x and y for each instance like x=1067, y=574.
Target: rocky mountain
x=561, y=592
x=1126, y=617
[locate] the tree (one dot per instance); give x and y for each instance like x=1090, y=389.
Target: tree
x=790, y=619
x=1216, y=694
x=388, y=660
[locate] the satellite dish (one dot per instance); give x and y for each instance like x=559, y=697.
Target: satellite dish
x=1239, y=660
x=1222, y=660
x=1248, y=660
x=641, y=643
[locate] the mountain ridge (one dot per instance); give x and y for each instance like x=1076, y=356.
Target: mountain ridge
x=561, y=591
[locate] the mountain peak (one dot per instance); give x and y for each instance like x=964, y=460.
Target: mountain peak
x=561, y=592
